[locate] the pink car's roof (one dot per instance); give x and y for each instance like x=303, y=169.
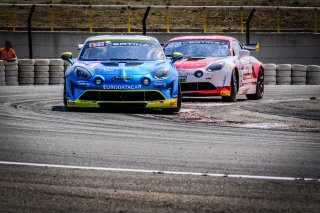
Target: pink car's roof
x=228, y=38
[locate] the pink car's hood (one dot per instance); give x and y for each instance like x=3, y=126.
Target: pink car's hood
x=193, y=63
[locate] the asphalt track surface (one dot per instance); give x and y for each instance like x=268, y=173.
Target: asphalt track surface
x=249, y=156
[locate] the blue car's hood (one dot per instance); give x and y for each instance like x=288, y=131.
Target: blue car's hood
x=121, y=68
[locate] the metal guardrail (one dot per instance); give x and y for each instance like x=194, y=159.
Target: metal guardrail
x=311, y=12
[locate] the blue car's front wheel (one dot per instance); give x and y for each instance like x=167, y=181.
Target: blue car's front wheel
x=175, y=110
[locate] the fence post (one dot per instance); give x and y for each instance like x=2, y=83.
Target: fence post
x=51, y=18
x=248, y=26
x=204, y=19
x=90, y=17
x=241, y=20
x=167, y=19
x=278, y=20
x=144, y=21
x=315, y=21
x=13, y=18
x=30, y=31
x=129, y=19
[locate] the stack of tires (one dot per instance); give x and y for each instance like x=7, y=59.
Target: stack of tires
x=269, y=74
x=56, y=71
x=313, y=75
x=11, y=73
x=2, y=74
x=26, y=71
x=66, y=64
x=283, y=74
x=298, y=74
x=41, y=70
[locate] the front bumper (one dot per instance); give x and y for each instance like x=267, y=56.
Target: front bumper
x=122, y=99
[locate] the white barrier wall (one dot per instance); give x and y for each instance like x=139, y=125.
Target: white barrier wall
x=277, y=48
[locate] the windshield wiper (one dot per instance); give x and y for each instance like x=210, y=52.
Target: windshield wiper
x=124, y=59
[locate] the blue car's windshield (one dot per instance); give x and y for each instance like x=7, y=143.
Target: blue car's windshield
x=199, y=48
x=108, y=50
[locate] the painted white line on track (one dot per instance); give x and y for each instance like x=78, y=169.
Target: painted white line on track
x=158, y=171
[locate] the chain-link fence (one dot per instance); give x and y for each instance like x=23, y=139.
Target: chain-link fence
x=124, y=18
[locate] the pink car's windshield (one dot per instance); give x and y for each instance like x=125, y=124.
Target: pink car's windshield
x=199, y=48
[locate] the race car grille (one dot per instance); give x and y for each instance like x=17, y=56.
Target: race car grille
x=119, y=105
x=122, y=96
x=197, y=86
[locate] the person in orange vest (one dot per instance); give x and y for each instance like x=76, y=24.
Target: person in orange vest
x=7, y=53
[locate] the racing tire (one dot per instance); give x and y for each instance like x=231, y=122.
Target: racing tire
x=41, y=81
x=283, y=67
x=26, y=81
x=1, y=63
x=175, y=110
x=56, y=80
x=270, y=73
x=259, y=87
x=313, y=68
x=11, y=62
x=313, y=74
x=298, y=74
x=56, y=74
x=11, y=73
x=298, y=67
x=56, y=69
x=269, y=66
x=26, y=75
x=2, y=68
x=11, y=67
x=25, y=62
x=41, y=75
x=2, y=83
x=56, y=62
x=234, y=89
x=41, y=62
x=2, y=73
x=283, y=73
x=41, y=68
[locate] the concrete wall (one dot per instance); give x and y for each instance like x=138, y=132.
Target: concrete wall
x=278, y=48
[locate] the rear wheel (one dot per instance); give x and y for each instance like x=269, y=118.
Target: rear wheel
x=259, y=88
x=175, y=110
x=234, y=89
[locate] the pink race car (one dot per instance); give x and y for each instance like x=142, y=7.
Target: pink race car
x=217, y=66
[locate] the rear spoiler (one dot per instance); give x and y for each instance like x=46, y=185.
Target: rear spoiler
x=255, y=47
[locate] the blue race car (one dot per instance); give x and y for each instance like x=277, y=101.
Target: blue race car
x=122, y=71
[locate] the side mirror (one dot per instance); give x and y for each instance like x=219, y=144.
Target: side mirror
x=67, y=56
x=255, y=47
x=244, y=53
x=176, y=56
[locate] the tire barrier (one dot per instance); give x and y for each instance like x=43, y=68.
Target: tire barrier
x=313, y=75
x=269, y=74
x=52, y=71
x=56, y=71
x=283, y=74
x=65, y=65
x=41, y=71
x=2, y=74
x=11, y=73
x=298, y=74
x=26, y=71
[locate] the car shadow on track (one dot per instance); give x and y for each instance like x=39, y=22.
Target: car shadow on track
x=208, y=99
x=61, y=108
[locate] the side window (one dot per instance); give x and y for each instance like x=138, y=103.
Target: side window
x=236, y=48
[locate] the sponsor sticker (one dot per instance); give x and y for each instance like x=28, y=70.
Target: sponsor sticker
x=122, y=87
x=122, y=78
x=182, y=79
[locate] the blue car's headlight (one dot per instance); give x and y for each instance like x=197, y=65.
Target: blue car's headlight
x=161, y=72
x=215, y=66
x=82, y=73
